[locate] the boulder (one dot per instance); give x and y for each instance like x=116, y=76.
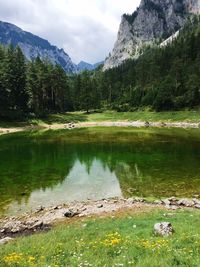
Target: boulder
x=163, y=229
x=130, y=201
x=197, y=206
x=166, y=202
x=36, y=225
x=185, y=202
x=5, y=240
x=14, y=227
x=147, y=124
x=70, y=213
x=196, y=201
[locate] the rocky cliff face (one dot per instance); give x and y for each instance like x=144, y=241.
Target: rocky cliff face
x=33, y=46
x=154, y=20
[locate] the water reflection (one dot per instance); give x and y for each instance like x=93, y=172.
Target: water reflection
x=49, y=170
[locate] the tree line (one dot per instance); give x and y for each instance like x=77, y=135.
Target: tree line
x=163, y=78
x=31, y=88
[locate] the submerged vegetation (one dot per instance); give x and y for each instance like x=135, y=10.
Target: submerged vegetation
x=47, y=168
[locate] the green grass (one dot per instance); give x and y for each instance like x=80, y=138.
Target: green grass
x=173, y=116
x=189, y=116
x=126, y=240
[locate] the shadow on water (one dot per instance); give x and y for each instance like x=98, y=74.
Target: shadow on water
x=54, y=167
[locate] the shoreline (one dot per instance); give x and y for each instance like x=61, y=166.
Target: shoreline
x=134, y=124
x=44, y=219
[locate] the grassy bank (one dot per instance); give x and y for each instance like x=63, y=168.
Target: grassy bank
x=189, y=116
x=124, y=240
x=179, y=116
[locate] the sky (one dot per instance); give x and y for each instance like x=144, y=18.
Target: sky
x=85, y=29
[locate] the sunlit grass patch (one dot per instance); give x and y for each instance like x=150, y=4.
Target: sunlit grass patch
x=126, y=240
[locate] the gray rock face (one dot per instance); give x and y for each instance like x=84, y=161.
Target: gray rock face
x=163, y=229
x=153, y=21
x=33, y=46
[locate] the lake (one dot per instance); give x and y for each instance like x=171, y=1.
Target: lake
x=53, y=167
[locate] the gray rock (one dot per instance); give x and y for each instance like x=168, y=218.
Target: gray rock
x=130, y=201
x=5, y=240
x=70, y=213
x=185, y=202
x=41, y=208
x=197, y=206
x=172, y=199
x=137, y=199
x=196, y=201
x=33, y=46
x=37, y=225
x=166, y=202
x=163, y=229
x=99, y=206
x=14, y=227
x=152, y=20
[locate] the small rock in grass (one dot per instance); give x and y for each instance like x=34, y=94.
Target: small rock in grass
x=130, y=200
x=163, y=229
x=70, y=213
x=197, y=206
x=5, y=240
x=186, y=203
x=196, y=201
x=166, y=202
x=41, y=208
x=37, y=224
x=99, y=206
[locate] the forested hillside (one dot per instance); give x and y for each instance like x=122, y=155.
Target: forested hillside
x=162, y=78
x=166, y=78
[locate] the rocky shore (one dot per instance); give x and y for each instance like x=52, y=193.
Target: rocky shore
x=134, y=124
x=44, y=218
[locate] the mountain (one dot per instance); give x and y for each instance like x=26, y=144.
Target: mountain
x=87, y=66
x=33, y=46
x=153, y=21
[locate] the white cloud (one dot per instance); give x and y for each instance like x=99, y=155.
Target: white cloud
x=86, y=29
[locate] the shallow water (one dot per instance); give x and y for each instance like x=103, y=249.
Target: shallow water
x=55, y=167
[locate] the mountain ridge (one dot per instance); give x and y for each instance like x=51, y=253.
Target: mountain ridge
x=154, y=20
x=34, y=46
x=83, y=65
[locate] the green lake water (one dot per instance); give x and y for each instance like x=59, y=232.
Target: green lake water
x=43, y=169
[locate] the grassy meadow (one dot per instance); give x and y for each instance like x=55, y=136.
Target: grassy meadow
x=171, y=116
x=126, y=239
